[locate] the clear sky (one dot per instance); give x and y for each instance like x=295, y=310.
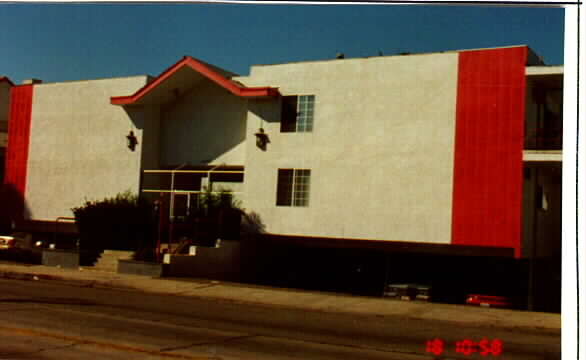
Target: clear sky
x=62, y=42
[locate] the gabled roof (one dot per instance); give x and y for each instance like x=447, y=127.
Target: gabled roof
x=6, y=79
x=176, y=78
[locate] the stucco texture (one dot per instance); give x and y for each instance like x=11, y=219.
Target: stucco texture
x=78, y=148
x=381, y=151
x=207, y=125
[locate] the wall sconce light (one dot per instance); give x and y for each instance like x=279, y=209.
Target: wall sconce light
x=131, y=140
x=262, y=139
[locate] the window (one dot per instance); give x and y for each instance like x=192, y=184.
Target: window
x=293, y=187
x=297, y=113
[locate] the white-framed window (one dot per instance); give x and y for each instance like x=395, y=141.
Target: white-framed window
x=297, y=113
x=293, y=187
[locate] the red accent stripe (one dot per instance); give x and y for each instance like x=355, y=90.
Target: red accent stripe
x=19, y=122
x=488, y=162
x=204, y=70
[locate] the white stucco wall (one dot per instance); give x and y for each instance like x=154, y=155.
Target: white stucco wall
x=207, y=125
x=78, y=146
x=381, y=152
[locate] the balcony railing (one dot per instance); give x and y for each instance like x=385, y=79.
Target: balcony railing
x=543, y=139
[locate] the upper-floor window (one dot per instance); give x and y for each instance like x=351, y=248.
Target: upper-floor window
x=293, y=187
x=297, y=113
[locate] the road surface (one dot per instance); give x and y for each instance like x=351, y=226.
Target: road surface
x=53, y=320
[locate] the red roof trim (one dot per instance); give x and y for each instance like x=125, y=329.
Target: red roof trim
x=203, y=70
x=4, y=78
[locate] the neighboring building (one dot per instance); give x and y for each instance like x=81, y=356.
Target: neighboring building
x=458, y=149
x=5, y=85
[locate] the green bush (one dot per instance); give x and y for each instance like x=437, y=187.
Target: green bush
x=212, y=203
x=121, y=222
x=218, y=215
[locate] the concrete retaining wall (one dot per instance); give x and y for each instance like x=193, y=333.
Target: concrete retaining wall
x=140, y=268
x=221, y=263
x=61, y=258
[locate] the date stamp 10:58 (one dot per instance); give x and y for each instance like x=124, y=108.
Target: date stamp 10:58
x=467, y=347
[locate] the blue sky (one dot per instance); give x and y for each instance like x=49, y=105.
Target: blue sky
x=62, y=42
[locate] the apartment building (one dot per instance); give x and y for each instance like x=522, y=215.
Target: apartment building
x=5, y=85
x=453, y=150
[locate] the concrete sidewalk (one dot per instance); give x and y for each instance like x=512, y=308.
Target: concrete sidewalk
x=312, y=301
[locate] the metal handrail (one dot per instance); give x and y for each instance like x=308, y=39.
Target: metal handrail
x=186, y=191
x=174, y=191
x=194, y=171
x=57, y=225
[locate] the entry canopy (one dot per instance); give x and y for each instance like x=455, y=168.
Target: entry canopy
x=183, y=76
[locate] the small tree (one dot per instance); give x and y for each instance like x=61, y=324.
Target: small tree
x=218, y=216
x=211, y=203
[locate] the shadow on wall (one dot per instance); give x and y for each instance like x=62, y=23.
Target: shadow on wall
x=202, y=125
x=136, y=116
x=268, y=111
x=13, y=208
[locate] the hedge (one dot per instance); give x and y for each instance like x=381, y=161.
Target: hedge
x=121, y=222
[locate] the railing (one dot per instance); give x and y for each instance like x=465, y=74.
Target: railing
x=57, y=221
x=542, y=139
x=170, y=221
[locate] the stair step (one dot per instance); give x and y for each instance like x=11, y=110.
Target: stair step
x=118, y=252
x=108, y=261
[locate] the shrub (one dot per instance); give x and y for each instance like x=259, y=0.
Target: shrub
x=120, y=222
x=212, y=203
x=218, y=216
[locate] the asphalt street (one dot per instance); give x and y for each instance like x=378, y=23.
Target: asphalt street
x=53, y=320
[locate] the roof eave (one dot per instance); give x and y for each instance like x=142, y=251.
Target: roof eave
x=205, y=71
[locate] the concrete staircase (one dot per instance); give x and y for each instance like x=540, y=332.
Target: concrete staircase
x=108, y=261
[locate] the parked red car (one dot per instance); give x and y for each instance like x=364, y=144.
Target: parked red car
x=488, y=301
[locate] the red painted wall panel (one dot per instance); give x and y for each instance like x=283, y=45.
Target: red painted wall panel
x=488, y=162
x=19, y=122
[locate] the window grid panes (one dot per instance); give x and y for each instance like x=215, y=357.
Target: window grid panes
x=301, y=188
x=305, y=113
x=293, y=187
x=297, y=113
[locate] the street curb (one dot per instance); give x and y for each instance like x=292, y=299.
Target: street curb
x=111, y=284
x=14, y=275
